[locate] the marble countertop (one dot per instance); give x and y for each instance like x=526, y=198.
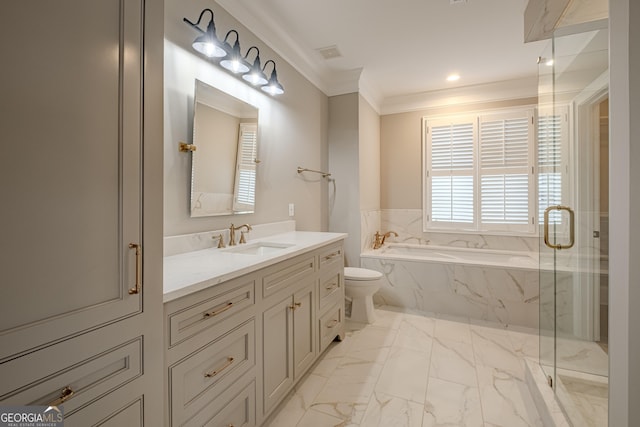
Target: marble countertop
x=190, y=272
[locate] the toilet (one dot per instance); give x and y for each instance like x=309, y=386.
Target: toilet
x=359, y=285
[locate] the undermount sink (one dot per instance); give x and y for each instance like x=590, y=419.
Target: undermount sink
x=258, y=248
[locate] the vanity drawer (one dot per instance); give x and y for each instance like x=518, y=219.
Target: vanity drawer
x=45, y=378
x=238, y=411
x=229, y=299
x=330, y=291
x=195, y=381
x=331, y=257
x=287, y=274
x=330, y=326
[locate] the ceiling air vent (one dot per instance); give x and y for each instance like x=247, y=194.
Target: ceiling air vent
x=457, y=1
x=329, y=52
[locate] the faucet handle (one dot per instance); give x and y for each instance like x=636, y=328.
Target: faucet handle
x=220, y=240
x=242, y=239
x=377, y=240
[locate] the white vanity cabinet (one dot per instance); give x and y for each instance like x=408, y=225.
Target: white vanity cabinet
x=255, y=335
x=82, y=208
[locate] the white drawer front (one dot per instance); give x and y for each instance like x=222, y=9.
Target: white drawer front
x=80, y=383
x=331, y=257
x=197, y=318
x=330, y=325
x=198, y=379
x=287, y=275
x=330, y=291
x=239, y=411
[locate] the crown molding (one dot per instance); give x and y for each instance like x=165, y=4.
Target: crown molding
x=489, y=92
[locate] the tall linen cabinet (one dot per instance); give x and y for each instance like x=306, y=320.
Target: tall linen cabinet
x=81, y=190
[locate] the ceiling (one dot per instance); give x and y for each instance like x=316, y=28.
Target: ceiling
x=395, y=48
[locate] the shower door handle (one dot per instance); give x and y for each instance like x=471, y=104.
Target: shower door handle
x=572, y=235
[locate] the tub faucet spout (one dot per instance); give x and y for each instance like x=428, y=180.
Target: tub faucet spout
x=387, y=234
x=380, y=238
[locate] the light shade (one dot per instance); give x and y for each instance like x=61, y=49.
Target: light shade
x=255, y=75
x=234, y=61
x=207, y=43
x=273, y=87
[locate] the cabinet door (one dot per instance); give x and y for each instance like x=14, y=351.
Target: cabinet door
x=277, y=323
x=304, y=336
x=71, y=174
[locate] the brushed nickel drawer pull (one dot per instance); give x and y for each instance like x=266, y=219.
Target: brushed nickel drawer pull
x=66, y=394
x=222, y=368
x=136, y=288
x=331, y=287
x=333, y=324
x=216, y=312
x=332, y=255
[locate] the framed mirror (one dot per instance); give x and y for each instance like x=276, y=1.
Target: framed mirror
x=223, y=166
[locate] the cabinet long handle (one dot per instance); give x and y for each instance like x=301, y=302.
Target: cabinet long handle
x=333, y=324
x=137, y=287
x=216, y=312
x=331, y=286
x=332, y=255
x=220, y=369
x=65, y=395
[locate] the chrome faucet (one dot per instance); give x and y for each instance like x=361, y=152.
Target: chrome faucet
x=232, y=233
x=380, y=238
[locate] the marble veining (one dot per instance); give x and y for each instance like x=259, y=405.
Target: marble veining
x=499, y=294
x=466, y=373
x=190, y=272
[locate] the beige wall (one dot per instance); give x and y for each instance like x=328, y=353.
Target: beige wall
x=401, y=151
x=344, y=198
x=369, y=159
x=292, y=130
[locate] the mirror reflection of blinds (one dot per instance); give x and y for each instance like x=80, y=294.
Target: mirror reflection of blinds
x=452, y=169
x=504, y=170
x=549, y=165
x=246, y=167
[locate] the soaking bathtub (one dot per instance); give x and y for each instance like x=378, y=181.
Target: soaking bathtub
x=494, y=285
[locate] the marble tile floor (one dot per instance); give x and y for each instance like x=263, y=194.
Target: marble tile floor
x=417, y=369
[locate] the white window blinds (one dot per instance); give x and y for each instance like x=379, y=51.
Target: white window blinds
x=505, y=171
x=551, y=139
x=451, y=164
x=479, y=172
x=245, y=183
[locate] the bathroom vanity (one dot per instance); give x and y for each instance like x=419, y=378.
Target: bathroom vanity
x=244, y=324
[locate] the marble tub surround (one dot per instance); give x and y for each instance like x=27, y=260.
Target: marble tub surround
x=420, y=370
x=509, y=296
x=190, y=272
x=174, y=245
x=369, y=224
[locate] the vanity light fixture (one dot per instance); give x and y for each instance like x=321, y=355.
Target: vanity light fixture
x=234, y=61
x=273, y=87
x=207, y=43
x=255, y=76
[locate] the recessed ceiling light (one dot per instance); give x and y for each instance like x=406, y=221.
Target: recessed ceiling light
x=453, y=77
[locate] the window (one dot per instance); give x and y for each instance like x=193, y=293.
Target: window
x=245, y=182
x=479, y=173
x=552, y=141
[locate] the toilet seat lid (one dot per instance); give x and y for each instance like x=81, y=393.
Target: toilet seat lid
x=354, y=273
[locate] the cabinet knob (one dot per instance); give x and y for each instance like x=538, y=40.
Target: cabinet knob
x=295, y=305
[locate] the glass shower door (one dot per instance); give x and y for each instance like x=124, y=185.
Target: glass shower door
x=572, y=115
